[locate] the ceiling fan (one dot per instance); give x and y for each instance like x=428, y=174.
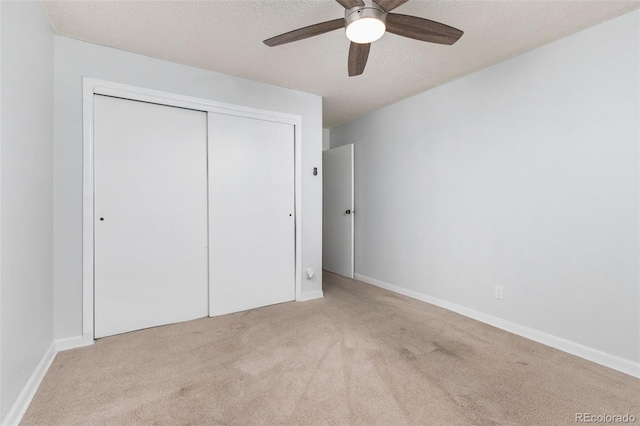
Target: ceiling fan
x=366, y=21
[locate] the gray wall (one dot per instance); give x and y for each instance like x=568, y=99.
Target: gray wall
x=26, y=195
x=523, y=175
x=74, y=60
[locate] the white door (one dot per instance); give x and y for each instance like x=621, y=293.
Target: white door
x=251, y=213
x=337, y=210
x=150, y=215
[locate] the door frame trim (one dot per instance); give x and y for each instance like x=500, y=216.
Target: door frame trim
x=92, y=87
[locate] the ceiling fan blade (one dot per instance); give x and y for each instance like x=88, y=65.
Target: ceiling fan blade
x=306, y=32
x=358, y=55
x=422, y=29
x=348, y=4
x=389, y=5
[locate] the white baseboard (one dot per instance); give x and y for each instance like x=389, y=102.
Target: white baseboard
x=14, y=416
x=73, y=342
x=310, y=295
x=595, y=355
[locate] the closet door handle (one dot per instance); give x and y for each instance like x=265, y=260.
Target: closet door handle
x=348, y=212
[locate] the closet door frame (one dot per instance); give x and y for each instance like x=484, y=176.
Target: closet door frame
x=92, y=87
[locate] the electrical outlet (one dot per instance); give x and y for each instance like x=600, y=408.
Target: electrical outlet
x=498, y=292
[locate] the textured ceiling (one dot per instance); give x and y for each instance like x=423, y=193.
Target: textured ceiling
x=226, y=36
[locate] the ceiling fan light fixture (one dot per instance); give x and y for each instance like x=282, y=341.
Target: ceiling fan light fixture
x=366, y=30
x=365, y=24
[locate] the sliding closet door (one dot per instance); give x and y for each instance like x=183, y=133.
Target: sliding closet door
x=251, y=213
x=150, y=215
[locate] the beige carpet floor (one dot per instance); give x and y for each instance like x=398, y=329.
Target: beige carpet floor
x=361, y=356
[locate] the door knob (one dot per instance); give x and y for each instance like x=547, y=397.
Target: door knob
x=348, y=212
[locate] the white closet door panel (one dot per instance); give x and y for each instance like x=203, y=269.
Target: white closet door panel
x=251, y=213
x=151, y=191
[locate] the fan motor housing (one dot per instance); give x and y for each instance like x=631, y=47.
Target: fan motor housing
x=369, y=10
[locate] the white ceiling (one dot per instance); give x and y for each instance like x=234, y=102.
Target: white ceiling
x=226, y=36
